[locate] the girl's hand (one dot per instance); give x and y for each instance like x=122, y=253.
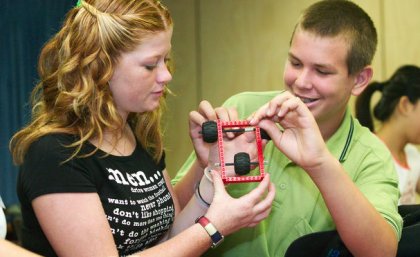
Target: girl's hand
x=229, y=214
x=204, y=113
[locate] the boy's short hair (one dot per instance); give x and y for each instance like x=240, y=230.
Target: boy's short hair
x=330, y=18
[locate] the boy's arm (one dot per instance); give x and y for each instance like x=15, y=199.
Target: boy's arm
x=364, y=231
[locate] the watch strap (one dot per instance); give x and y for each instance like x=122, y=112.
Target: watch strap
x=214, y=234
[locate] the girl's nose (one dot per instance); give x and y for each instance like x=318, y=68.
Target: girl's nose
x=164, y=75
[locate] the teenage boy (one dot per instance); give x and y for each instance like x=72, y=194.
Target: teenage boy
x=330, y=172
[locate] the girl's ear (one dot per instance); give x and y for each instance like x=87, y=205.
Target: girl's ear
x=404, y=106
x=362, y=79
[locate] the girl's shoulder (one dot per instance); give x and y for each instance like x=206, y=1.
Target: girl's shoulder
x=54, y=144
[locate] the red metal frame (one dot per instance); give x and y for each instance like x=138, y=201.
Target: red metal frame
x=239, y=179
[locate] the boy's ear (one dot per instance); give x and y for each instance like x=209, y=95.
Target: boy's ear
x=361, y=80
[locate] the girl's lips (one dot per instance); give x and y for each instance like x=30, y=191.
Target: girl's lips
x=156, y=95
x=158, y=92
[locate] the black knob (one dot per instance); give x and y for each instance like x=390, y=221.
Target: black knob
x=209, y=131
x=242, y=163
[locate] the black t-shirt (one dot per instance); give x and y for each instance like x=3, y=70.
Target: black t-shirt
x=132, y=189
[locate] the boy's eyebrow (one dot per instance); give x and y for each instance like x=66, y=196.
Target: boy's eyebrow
x=331, y=67
x=318, y=65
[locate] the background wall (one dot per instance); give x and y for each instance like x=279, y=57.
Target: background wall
x=25, y=26
x=221, y=47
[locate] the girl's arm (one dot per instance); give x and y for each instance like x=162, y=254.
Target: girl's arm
x=76, y=225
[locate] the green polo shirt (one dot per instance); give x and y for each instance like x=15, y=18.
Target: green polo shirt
x=298, y=208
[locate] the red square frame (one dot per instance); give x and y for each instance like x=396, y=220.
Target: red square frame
x=239, y=179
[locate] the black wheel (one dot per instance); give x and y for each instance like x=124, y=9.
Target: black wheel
x=242, y=163
x=209, y=131
x=264, y=134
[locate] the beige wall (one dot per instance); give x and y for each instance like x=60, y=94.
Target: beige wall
x=222, y=47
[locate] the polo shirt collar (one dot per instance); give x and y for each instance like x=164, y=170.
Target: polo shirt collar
x=339, y=142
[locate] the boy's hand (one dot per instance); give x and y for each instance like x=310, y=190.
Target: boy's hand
x=299, y=137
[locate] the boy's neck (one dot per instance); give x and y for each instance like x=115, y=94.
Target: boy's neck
x=329, y=127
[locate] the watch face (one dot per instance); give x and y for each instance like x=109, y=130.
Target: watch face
x=217, y=241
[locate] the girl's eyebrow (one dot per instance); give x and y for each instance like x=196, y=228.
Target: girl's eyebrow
x=292, y=56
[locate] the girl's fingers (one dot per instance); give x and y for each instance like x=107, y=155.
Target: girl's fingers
x=264, y=206
x=219, y=187
x=196, y=118
x=227, y=114
x=255, y=195
x=207, y=110
x=261, y=216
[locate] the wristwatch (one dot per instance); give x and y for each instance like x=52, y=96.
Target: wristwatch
x=215, y=235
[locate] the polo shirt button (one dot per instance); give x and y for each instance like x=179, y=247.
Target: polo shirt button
x=283, y=186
